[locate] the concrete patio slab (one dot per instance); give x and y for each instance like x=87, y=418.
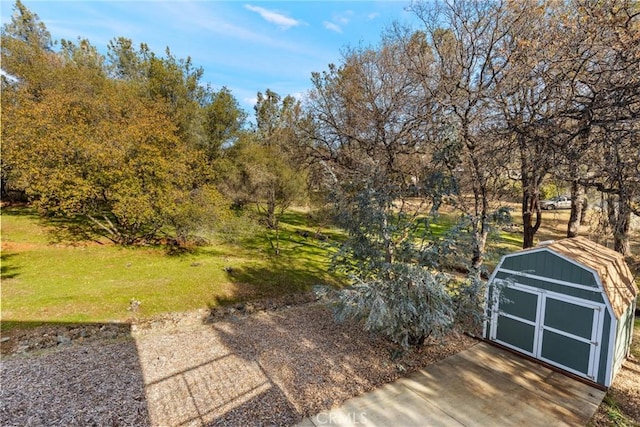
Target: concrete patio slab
x=481, y=386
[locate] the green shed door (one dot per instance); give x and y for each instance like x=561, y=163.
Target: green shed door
x=561, y=330
x=515, y=322
x=569, y=335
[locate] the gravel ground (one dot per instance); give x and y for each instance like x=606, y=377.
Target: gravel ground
x=80, y=386
x=270, y=367
x=249, y=365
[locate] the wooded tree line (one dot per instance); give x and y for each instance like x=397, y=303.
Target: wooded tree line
x=135, y=142
x=483, y=100
x=483, y=95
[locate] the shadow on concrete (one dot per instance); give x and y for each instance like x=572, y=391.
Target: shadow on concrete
x=482, y=386
x=48, y=378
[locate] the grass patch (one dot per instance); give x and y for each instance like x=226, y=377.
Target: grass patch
x=614, y=413
x=44, y=280
x=47, y=278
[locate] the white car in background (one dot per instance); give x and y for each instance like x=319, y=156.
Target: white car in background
x=561, y=202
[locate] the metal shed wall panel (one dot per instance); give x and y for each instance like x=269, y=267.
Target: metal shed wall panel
x=520, y=304
x=624, y=333
x=572, y=318
x=544, y=263
x=517, y=334
x=565, y=351
x=595, y=295
x=604, y=350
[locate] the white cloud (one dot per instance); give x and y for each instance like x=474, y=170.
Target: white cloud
x=279, y=19
x=332, y=26
x=343, y=18
x=250, y=101
x=198, y=15
x=339, y=21
x=373, y=15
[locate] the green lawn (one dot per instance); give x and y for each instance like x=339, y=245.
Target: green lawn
x=48, y=278
x=88, y=282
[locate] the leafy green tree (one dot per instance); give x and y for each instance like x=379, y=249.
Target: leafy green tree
x=263, y=176
x=124, y=61
x=279, y=123
x=82, y=54
x=26, y=44
x=119, y=152
x=197, y=214
x=174, y=81
x=271, y=161
x=224, y=122
x=25, y=54
x=109, y=156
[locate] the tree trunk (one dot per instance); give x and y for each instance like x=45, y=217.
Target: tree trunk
x=3, y=188
x=481, y=210
x=583, y=212
x=479, y=244
x=530, y=206
x=387, y=240
x=577, y=196
x=622, y=225
x=531, y=181
x=529, y=230
x=271, y=214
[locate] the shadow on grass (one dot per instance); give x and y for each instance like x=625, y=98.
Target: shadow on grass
x=297, y=219
x=72, y=230
x=7, y=270
x=68, y=230
x=300, y=266
x=72, y=384
x=20, y=210
x=276, y=280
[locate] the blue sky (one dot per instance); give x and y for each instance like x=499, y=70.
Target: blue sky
x=247, y=46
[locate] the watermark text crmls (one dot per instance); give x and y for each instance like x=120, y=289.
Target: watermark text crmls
x=340, y=418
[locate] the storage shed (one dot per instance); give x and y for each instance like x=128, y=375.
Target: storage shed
x=569, y=303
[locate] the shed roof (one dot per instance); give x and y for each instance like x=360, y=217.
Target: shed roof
x=614, y=273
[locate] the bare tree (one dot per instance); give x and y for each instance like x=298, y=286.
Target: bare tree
x=468, y=41
x=369, y=137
